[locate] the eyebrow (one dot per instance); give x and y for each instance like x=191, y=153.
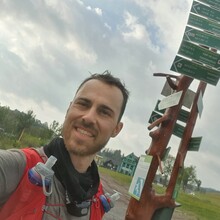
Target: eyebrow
x=101, y=106
x=81, y=99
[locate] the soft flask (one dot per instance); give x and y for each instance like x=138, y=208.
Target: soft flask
x=109, y=200
x=42, y=175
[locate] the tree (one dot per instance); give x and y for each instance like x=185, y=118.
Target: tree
x=168, y=166
x=198, y=183
x=8, y=119
x=189, y=176
x=3, y=115
x=113, y=155
x=117, y=158
x=25, y=121
x=56, y=128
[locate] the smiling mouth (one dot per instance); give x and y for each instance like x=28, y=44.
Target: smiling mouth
x=84, y=132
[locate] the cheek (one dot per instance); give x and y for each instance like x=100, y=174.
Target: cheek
x=66, y=127
x=108, y=129
x=68, y=119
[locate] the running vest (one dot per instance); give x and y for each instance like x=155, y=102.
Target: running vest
x=28, y=200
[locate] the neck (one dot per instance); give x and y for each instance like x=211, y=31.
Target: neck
x=81, y=163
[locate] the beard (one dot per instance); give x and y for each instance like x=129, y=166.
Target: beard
x=79, y=149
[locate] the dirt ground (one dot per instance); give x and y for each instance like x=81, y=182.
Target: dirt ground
x=119, y=210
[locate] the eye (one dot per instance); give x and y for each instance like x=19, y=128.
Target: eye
x=81, y=103
x=105, y=112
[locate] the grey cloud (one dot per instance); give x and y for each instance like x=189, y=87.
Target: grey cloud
x=48, y=47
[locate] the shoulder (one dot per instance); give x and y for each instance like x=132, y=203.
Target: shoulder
x=12, y=157
x=34, y=155
x=12, y=166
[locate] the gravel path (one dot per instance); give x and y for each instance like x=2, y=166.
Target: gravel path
x=118, y=212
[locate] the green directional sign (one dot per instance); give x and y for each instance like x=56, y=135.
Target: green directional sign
x=201, y=37
x=194, y=70
x=194, y=143
x=204, y=23
x=154, y=116
x=183, y=115
x=214, y=3
x=205, y=11
x=200, y=54
x=178, y=130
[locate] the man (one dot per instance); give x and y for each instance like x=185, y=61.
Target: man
x=93, y=117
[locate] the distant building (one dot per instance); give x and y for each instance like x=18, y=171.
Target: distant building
x=109, y=164
x=98, y=159
x=128, y=164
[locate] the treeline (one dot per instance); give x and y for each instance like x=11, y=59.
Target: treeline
x=114, y=155
x=187, y=176
x=20, y=129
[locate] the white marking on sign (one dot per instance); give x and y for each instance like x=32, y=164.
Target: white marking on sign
x=188, y=98
x=170, y=101
x=200, y=104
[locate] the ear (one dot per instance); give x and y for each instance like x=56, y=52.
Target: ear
x=117, y=129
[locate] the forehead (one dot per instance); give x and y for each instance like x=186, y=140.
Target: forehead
x=102, y=92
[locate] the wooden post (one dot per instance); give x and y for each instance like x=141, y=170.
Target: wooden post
x=183, y=147
x=149, y=202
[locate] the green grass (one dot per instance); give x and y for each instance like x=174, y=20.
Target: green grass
x=121, y=178
x=204, y=206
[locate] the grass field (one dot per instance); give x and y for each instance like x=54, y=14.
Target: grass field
x=204, y=206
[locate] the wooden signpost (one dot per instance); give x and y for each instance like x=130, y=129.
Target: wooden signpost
x=197, y=59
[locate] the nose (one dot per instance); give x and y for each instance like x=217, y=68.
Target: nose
x=90, y=116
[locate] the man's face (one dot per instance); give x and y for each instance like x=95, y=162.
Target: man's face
x=92, y=118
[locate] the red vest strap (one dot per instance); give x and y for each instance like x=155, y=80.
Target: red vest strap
x=97, y=210
x=27, y=200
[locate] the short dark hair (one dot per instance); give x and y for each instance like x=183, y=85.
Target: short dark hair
x=109, y=79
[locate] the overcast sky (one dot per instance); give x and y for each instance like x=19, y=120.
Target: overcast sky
x=48, y=47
